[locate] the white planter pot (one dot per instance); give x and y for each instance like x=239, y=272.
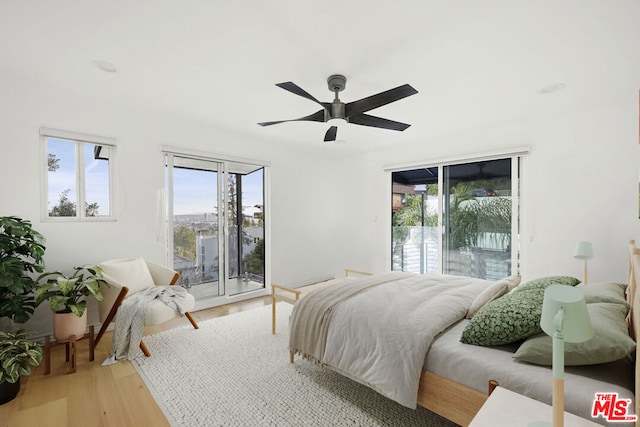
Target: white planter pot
x=67, y=324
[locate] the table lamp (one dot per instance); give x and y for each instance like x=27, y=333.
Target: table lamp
x=584, y=251
x=564, y=318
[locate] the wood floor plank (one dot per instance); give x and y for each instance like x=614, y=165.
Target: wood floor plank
x=96, y=395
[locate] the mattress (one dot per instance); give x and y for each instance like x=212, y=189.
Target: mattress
x=473, y=366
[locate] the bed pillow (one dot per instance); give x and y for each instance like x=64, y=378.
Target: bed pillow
x=512, y=317
x=544, y=282
x=492, y=292
x=610, y=341
x=604, y=292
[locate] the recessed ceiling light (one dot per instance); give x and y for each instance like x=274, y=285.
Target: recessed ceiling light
x=555, y=87
x=105, y=66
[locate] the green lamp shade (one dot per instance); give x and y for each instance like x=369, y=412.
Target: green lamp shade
x=584, y=250
x=564, y=310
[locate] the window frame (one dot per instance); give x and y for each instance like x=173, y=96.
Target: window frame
x=227, y=164
x=516, y=154
x=80, y=140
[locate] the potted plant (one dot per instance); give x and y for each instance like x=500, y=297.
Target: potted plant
x=67, y=297
x=17, y=355
x=21, y=254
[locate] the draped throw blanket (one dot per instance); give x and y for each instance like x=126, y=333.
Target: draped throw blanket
x=308, y=336
x=129, y=320
x=377, y=330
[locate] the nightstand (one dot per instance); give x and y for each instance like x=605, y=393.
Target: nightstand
x=506, y=408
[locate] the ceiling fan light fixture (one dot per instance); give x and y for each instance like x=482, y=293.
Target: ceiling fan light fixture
x=338, y=122
x=338, y=114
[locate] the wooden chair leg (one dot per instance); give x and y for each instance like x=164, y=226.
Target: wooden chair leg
x=192, y=320
x=111, y=315
x=92, y=352
x=291, y=357
x=144, y=349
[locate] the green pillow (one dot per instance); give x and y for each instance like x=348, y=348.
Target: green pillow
x=604, y=292
x=610, y=341
x=512, y=317
x=543, y=282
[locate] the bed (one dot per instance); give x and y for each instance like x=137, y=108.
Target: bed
x=439, y=372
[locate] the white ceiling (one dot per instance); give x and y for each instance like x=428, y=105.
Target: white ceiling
x=474, y=63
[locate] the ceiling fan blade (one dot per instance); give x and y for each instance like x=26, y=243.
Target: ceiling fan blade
x=330, y=136
x=378, y=100
x=377, y=122
x=294, y=88
x=318, y=116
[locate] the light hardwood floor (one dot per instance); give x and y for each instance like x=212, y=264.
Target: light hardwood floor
x=96, y=395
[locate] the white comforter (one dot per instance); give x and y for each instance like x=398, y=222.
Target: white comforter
x=380, y=336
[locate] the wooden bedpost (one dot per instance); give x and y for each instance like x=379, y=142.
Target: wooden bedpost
x=492, y=386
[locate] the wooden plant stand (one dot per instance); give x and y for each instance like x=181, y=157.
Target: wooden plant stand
x=70, y=352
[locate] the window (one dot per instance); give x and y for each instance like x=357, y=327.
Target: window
x=457, y=218
x=215, y=223
x=78, y=176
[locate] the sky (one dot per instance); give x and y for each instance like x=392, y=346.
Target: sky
x=64, y=178
x=194, y=190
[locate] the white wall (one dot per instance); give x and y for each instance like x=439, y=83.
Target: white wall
x=330, y=211
x=307, y=199
x=579, y=182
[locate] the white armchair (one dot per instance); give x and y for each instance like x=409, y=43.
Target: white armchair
x=126, y=277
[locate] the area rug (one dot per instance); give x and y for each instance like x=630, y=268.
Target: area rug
x=234, y=372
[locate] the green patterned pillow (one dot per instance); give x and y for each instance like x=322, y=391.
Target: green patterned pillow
x=513, y=317
x=546, y=281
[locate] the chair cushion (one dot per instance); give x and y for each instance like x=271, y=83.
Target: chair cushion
x=158, y=312
x=133, y=273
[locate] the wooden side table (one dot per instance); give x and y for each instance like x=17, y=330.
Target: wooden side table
x=70, y=352
x=506, y=408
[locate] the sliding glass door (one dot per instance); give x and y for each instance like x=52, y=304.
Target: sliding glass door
x=246, y=231
x=457, y=219
x=215, y=212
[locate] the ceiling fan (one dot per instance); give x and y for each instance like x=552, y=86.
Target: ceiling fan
x=351, y=112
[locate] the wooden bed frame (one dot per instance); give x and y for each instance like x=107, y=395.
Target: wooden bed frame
x=460, y=403
x=444, y=396
x=291, y=295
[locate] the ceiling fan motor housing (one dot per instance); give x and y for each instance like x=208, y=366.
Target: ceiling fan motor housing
x=337, y=82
